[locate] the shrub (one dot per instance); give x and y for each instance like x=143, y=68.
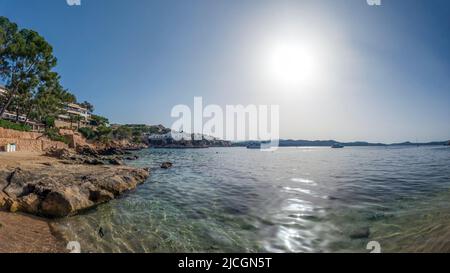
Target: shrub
x=103, y=132
x=49, y=121
x=88, y=133
x=14, y=126
x=122, y=132
x=54, y=135
x=99, y=120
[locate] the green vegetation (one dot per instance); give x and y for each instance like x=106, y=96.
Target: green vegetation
x=34, y=91
x=14, y=126
x=140, y=129
x=53, y=134
x=106, y=134
x=99, y=121
x=27, y=69
x=122, y=132
x=88, y=133
x=100, y=133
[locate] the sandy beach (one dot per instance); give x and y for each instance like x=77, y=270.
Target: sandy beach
x=19, y=159
x=21, y=233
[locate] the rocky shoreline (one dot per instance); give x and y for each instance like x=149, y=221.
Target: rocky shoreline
x=63, y=183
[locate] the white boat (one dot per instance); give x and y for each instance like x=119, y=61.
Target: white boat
x=254, y=146
x=337, y=146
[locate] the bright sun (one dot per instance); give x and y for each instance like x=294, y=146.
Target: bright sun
x=292, y=64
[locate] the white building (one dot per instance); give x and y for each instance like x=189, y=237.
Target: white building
x=72, y=109
x=35, y=126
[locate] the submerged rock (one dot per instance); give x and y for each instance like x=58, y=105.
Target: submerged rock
x=166, y=165
x=361, y=233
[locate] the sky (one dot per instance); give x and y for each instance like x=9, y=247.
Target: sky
x=339, y=70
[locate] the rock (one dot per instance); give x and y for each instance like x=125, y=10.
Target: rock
x=93, y=161
x=132, y=157
x=30, y=203
x=64, y=154
x=14, y=206
x=115, y=161
x=112, y=151
x=100, y=196
x=61, y=190
x=87, y=151
x=57, y=204
x=362, y=233
x=3, y=199
x=166, y=165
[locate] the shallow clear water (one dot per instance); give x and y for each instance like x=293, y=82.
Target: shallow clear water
x=291, y=200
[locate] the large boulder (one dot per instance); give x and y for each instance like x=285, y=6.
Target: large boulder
x=59, y=190
x=64, y=154
x=87, y=151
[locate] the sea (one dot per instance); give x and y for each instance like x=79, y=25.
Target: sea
x=300, y=199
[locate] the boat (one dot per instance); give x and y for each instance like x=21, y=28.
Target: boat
x=254, y=146
x=337, y=146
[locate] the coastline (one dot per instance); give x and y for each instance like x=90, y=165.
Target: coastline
x=35, y=188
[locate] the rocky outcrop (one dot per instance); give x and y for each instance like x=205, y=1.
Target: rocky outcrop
x=90, y=156
x=55, y=189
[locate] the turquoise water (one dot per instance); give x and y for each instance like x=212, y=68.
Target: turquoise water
x=290, y=200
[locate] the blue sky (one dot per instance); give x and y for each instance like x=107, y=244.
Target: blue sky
x=380, y=73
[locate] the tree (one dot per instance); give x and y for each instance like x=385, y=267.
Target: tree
x=26, y=60
x=99, y=120
x=7, y=32
x=74, y=119
x=122, y=132
x=88, y=106
x=103, y=134
x=49, y=100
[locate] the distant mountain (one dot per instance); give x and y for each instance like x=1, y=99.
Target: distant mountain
x=329, y=143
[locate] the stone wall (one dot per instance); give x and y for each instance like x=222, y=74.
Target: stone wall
x=27, y=141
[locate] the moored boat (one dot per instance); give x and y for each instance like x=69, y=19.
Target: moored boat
x=337, y=146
